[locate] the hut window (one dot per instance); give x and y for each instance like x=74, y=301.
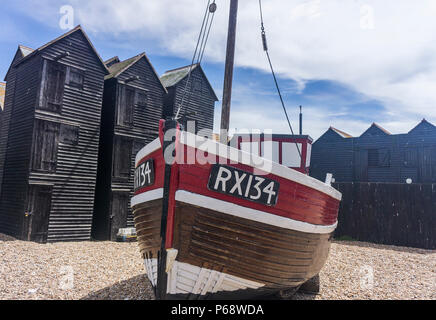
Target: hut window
x=142, y=100
x=52, y=86
x=126, y=107
x=122, y=157
x=379, y=158
x=75, y=78
x=45, y=143
x=69, y=134
x=196, y=85
x=384, y=158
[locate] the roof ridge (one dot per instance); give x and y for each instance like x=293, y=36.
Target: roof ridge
x=113, y=58
x=180, y=68
x=127, y=63
x=172, y=77
x=381, y=128
x=75, y=29
x=25, y=47
x=130, y=61
x=423, y=121
x=343, y=133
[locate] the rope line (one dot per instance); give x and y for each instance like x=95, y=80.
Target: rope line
x=265, y=48
x=207, y=37
x=199, y=49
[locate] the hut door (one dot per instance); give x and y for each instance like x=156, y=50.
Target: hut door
x=38, y=213
x=119, y=211
x=45, y=145
x=126, y=106
x=52, y=86
x=361, y=165
x=122, y=158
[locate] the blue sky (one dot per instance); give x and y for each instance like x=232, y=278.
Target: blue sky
x=346, y=64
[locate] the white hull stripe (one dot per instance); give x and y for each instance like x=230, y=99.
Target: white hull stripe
x=149, y=148
x=184, y=278
x=239, y=156
x=147, y=196
x=251, y=214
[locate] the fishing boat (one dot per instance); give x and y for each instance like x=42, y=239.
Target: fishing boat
x=217, y=222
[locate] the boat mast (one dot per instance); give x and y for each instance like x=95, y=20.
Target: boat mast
x=228, y=74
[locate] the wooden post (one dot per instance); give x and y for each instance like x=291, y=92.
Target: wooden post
x=301, y=122
x=228, y=74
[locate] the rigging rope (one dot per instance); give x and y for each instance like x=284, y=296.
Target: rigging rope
x=207, y=36
x=265, y=48
x=201, y=41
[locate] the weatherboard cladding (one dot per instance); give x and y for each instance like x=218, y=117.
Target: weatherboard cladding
x=399, y=157
x=73, y=181
x=145, y=120
x=113, y=191
x=7, y=110
x=330, y=154
x=196, y=99
x=17, y=158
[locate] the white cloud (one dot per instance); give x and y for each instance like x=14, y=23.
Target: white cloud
x=384, y=49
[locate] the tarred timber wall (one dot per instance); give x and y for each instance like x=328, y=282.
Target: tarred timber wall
x=388, y=213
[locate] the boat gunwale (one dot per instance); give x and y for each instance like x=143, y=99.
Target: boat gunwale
x=238, y=156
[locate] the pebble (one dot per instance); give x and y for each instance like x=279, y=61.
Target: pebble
x=104, y=270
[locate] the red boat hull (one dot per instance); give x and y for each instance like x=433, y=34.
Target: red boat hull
x=202, y=241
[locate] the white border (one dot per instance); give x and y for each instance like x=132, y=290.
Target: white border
x=147, y=196
x=149, y=148
x=251, y=214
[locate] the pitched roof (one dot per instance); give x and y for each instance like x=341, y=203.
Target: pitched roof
x=375, y=129
x=76, y=29
x=112, y=61
x=25, y=50
x=341, y=133
x=381, y=128
x=172, y=77
x=423, y=126
x=117, y=69
x=21, y=53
